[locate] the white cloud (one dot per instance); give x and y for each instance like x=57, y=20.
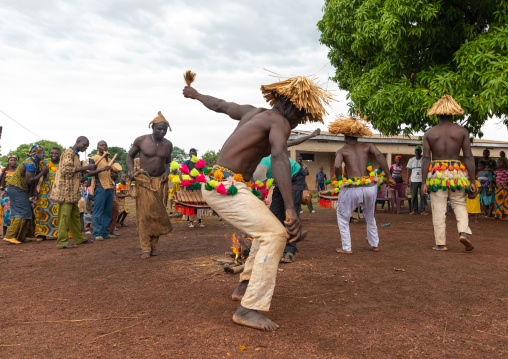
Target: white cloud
x=104, y=68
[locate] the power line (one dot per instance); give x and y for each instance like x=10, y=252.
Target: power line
x=20, y=124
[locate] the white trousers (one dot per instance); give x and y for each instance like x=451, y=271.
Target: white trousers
x=438, y=203
x=250, y=215
x=348, y=200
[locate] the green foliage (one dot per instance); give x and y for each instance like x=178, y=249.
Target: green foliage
x=397, y=57
x=20, y=151
x=179, y=155
x=210, y=156
x=121, y=156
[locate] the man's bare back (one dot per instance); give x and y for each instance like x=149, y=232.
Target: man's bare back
x=446, y=140
x=356, y=156
x=250, y=141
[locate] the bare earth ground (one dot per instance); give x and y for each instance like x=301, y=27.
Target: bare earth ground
x=101, y=300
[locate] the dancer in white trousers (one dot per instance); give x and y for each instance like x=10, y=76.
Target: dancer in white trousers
x=360, y=185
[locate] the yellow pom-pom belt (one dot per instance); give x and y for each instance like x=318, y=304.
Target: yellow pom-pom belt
x=447, y=174
x=374, y=178
x=201, y=174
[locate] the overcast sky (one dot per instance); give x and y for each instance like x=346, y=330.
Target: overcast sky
x=104, y=68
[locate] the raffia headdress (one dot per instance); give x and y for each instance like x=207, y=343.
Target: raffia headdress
x=353, y=126
x=303, y=93
x=446, y=106
x=160, y=118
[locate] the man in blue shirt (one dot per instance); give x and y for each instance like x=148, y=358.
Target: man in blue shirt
x=263, y=172
x=320, y=179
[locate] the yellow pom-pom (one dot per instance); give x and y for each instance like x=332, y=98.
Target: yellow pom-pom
x=372, y=174
x=259, y=183
x=176, y=180
x=194, y=173
x=186, y=177
x=218, y=176
x=238, y=177
x=269, y=183
x=213, y=183
x=336, y=190
x=194, y=159
x=174, y=166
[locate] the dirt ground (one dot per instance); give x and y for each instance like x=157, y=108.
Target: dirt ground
x=102, y=301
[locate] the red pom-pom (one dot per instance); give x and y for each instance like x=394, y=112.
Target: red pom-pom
x=184, y=169
x=200, y=164
x=221, y=189
x=265, y=192
x=185, y=183
x=201, y=178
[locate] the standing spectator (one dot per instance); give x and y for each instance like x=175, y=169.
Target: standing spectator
x=191, y=165
x=320, y=179
x=67, y=194
x=122, y=192
x=501, y=190
x=87, y=218
x=46, y=211
x=20, y=189
x=473, y=203
x=114, y=208
x=490, y=164
x=5, y=176
x=414, y=178
x=305, y=170
x=103, y=189
x=502, y=156
x=487, y=195
x=396, y=168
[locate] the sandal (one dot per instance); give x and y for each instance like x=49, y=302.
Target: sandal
x=440, y=248
x=287, y=258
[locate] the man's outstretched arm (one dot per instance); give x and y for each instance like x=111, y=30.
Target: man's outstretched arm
x=233, y=110
x=299, y=140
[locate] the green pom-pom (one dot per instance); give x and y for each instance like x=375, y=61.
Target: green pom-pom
x=328, y=182
x=445, y=188
x=329, y=193
x=255, y=192
x=232, y=190
x=340, y=178
x=196, y=185
x=369, y=164
x=208, y=187
x=379, y=172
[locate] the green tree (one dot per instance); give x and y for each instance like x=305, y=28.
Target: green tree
x=397, y=57
x=179, y=155
x=20, y=151
x=210, y=156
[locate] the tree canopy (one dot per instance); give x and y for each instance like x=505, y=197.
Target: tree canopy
x=179, y=155
x=20, y=151
x=210, y=156
x=397, y=57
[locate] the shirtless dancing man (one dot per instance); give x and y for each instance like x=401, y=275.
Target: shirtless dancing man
x=362, y=188
x=447, y=176
x=151, y=184
x=261, y=132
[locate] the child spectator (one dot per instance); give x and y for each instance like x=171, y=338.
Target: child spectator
x=473, y=203
x=122, y=192
x=486, y=189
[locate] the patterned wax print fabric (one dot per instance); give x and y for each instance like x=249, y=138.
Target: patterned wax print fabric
x=5, y=201
x=18, y=179
x=46, y=210
x=485, y=178
x=501, y=193
x=66, y=186
x=122, y=202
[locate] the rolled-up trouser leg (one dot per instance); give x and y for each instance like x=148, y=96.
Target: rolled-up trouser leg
x=250, y=215
x=458, y=201
x=438, y=204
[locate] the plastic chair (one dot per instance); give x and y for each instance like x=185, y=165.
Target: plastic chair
x=401, y=194
x=382, y=195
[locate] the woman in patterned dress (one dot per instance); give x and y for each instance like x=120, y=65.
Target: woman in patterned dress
x=46, y=211
x=5, y=203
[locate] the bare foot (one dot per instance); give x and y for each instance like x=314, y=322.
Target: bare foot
x=145, y=255
x=240, y=290
x=252, y=318
x=155, y=252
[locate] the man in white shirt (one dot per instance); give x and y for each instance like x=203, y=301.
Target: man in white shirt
x=414, y=178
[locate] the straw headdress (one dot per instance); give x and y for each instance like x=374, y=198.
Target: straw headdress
x=160, y=118
x=303, y=93
x=350, y=125
x=446, y=106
